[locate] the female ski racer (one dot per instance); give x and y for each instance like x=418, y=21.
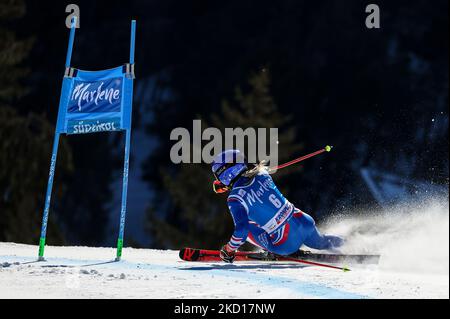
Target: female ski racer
x=261, y=214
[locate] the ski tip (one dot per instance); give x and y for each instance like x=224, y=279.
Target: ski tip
x=189, y=254
x=182, y=253
x=328, y=148
x=345, y=269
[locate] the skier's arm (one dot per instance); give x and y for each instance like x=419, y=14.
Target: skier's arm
x=240, y=219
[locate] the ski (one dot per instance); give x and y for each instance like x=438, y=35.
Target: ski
x=203, y=255
x=192, y=254
x=337, y=258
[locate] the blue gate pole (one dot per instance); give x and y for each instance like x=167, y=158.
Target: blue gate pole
x=126, y=163
x=123, y=209
x=133, y=36
x=48, y=197
x=71, y=40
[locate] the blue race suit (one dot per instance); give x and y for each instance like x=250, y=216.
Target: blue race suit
x=264, y=217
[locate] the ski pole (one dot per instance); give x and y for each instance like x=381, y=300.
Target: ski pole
x=286, y=258
x=302, y=158
x=313, y=263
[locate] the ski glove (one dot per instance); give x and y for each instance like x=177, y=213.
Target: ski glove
x=226, y=254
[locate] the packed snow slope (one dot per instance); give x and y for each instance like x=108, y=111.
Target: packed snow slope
x=413, y=243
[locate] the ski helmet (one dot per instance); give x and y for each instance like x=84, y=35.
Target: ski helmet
x=228, y=166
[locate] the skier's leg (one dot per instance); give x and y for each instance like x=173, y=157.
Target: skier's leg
x=287, y=239
x=258, y=237
x=318, y=241
x=299, y=230
x=313, y=238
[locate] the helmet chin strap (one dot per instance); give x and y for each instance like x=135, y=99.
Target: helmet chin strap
x=219, y=187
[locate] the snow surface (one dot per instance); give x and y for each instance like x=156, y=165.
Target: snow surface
x=414, y=264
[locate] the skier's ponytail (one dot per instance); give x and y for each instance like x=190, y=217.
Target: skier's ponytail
x=258, y=168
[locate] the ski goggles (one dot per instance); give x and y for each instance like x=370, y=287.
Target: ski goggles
x=227, y=173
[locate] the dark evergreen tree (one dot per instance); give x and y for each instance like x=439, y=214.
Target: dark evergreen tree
x=13, y=51
x=25, y=144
